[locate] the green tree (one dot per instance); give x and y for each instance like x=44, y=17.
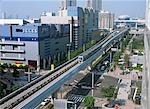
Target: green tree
x=89, y=102
x=116, y=57
x=108, y=92
x=126, y=58
x=1, y=69
x=16, y=73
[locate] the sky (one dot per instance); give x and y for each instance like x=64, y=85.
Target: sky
x=33, y=8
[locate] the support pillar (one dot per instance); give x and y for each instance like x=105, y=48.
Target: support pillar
x=92, y=84
x=110, y=58
x=136, y=26
x=38, y=64
x=29, y=78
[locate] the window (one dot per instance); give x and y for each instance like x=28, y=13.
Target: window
x=19, y=30
x=56, y=42
x=57, y=49
x=15, y=47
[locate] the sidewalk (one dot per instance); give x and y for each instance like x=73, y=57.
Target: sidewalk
x=124, y=89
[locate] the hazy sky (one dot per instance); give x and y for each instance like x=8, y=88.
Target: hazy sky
x=33, y=8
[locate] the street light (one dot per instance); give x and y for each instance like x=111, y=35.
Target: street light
x=69, y=53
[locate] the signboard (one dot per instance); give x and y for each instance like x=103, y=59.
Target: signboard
x=52, y=67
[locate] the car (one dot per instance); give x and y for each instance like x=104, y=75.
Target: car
x=43, y=103
x=103, y=68
x=81, y=58
x=46, y=101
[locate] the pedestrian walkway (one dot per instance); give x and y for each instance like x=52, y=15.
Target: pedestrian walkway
x=124, y=89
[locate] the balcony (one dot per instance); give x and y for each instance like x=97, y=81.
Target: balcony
x=12, y=58
x=12, y=43
x=11, y=51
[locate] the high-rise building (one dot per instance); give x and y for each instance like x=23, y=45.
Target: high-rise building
x=67, y=3
x=94, y=4
x=146, y=74
x=106, y=20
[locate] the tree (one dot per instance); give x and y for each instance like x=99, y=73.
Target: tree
x=116, y=57
x=89, y=102
x=108, y=92
x=16, y=73
x=1, y=69
x=126, y=58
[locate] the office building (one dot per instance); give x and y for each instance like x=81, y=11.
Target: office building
x=68, y=3
x=146, y=74
x=35, y=45
x=106, y=20
x=94, y=4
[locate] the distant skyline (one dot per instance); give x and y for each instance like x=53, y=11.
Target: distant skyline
x=34, y=8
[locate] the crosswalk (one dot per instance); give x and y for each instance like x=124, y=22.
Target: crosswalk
x=76, y=98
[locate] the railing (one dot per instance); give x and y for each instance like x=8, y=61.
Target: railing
x=11, y=58
x=12, y=43
x=11, y=51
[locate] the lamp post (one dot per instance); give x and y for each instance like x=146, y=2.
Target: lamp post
x=69, y=53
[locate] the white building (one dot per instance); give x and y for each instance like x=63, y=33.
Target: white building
x=106, y=20
x=94, y=4
x=12, y=21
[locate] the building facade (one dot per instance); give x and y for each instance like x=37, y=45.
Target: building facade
x=68, y=3
x=106, y=20
x=35, y=45
x=94, y=4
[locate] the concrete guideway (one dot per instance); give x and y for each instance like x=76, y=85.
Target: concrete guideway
x=59, y=78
